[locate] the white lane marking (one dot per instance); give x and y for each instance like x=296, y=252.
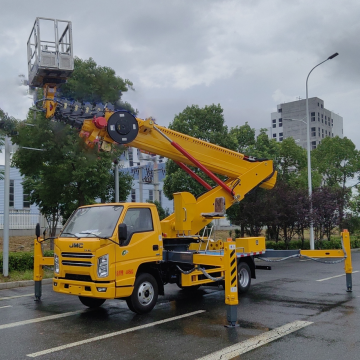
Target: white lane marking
x=44, y=318
x=1, y=307
x=13, y=297
x=106, y=336
x=255, y=342
x=333, y=277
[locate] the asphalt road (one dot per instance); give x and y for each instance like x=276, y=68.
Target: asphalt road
x=191, y=325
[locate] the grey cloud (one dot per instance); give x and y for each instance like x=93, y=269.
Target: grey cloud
x=179, y=53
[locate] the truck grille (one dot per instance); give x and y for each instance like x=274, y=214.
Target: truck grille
x=78, y=277
x=77, y=263
x=77, y=255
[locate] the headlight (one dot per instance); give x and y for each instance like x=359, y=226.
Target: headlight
x=56, y=264
x=103, y=266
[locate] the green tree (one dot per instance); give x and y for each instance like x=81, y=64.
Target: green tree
x=337, y=160
x=203, y=123
x=163, y=213
x=7, y=127
x=245, y=136
x=264, y=148
x=207, y=124
x=125, y=186
x=94, y=83
x=67, y=173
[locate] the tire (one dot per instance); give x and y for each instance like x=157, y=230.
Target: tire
x=145, y=294
x=91, y=302
x=244, y=277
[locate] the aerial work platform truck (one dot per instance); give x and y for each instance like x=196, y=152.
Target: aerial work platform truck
x=122, y=250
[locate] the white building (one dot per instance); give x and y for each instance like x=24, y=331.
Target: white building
x=290, y=121
x=148, y=171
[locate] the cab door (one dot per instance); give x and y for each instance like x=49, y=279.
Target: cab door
x=142, y=243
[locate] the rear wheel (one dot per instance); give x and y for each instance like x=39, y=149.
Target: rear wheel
x=244, y=277
x=145, y=294
x=91, y=302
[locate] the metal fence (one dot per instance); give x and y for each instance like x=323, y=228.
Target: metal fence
x=21, y=219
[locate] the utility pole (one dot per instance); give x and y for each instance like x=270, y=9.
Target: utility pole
x=6, y=209
x=156, y=180
x=116, y=170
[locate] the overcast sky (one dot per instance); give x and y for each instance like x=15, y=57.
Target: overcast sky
x=247, y=55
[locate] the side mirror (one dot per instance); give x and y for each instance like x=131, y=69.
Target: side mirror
x=122, y=233
x=37, y=230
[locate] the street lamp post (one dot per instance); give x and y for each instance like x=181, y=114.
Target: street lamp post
x=312, y=245
x=6, y=209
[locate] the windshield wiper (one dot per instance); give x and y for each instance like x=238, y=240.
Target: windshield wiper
x=68, y=233
x=101, y=237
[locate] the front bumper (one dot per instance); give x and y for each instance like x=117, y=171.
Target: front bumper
x=83, y=288
x=90, y=289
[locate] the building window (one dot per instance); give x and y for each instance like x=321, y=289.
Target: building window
x=11, y=194
x=313, y=131
x=319, y=117
x=319, y=132
x=131, y=157
x=133, y=195
x=280, y=122
x=26, y=201
x=326, y=132
x=332, y=122
x=280, y=110
x=274, y=121
x=321, y=105
x=274, y=125
x=274, y=136
x=151, y=195
x=312, y=116
x=281, y=136
x=318, y=104
x=332, y=134
x=313, y=145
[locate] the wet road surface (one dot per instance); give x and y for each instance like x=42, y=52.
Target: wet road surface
x=187, y=325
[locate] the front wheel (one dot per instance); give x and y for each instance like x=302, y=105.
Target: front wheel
x=145, y=294
x=91, y=302
x=244, y=277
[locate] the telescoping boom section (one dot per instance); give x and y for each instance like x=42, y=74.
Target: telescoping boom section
x=191, y=215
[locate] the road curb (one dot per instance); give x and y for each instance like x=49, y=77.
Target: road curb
x=15, y=284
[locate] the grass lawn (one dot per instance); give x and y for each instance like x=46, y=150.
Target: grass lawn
x=24, y=275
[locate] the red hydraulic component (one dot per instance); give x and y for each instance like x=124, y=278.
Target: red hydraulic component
x=193, y=175
x=100, y=122
x=196, y=162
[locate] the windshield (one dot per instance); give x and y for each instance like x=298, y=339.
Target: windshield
x=93, y=221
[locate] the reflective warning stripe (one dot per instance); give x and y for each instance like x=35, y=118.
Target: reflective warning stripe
x=250, y=254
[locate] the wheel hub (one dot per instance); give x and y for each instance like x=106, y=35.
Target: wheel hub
x=243, y=278
x=145, y=293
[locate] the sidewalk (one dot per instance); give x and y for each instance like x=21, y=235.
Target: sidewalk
x=15, y=284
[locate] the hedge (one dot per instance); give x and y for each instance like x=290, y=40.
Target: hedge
x=21, y=261
x=319, y=245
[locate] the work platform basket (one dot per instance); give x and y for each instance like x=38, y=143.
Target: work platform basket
x=50, y=52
